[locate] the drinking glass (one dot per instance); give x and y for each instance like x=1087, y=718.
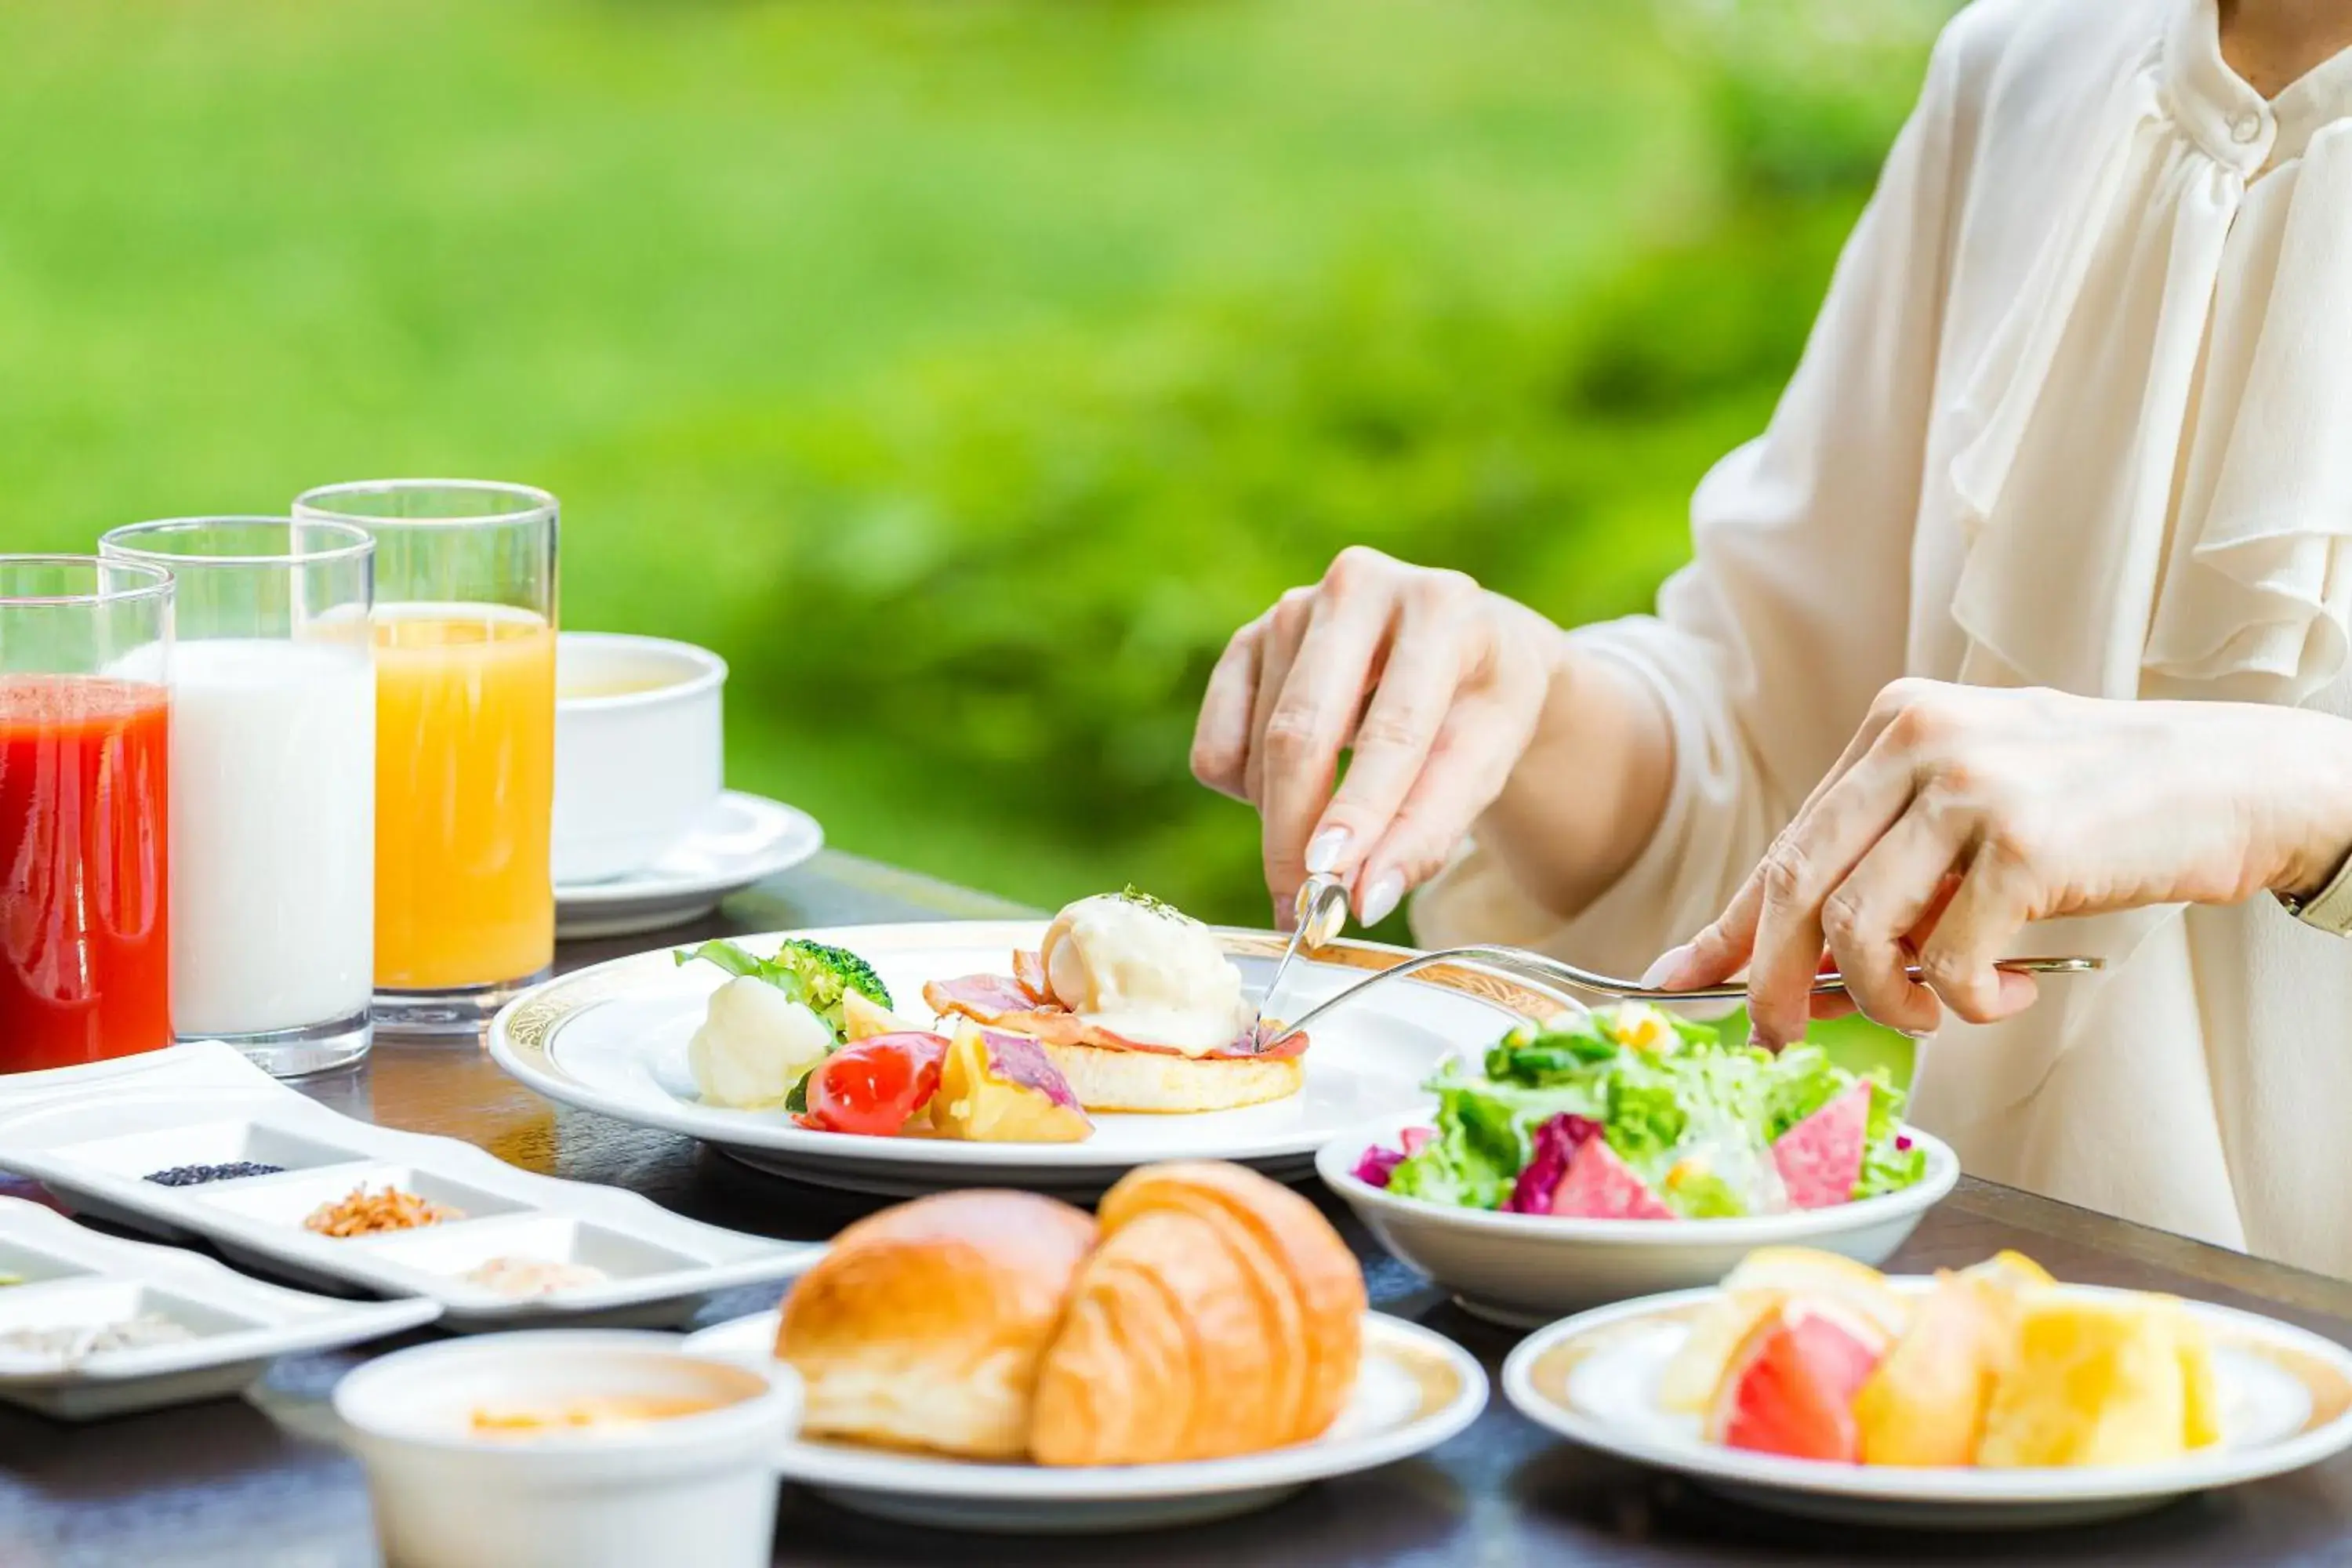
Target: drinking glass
x=465, y=711
x=85, y=765
x=273, y=783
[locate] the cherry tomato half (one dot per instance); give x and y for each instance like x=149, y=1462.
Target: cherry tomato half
x=875, y=1085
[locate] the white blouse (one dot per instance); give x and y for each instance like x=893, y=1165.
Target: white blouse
x=2076, y=412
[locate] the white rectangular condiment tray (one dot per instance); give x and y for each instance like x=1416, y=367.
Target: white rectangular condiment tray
x=93, y=1135
x=68, y=1287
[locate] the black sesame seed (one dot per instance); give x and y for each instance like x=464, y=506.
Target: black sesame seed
x=197, y=1175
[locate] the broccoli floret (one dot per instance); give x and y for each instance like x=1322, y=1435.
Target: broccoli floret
x=825, y=973
x=812, y=973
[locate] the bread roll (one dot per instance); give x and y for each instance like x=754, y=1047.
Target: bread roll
x=921, y=1327
x=1219, y=1314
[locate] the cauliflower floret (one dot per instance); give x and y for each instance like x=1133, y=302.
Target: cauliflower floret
x=754, y=1044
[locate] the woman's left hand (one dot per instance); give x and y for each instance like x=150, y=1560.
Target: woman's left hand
x=1958, y=814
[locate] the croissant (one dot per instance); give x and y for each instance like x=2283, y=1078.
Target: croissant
x=921, y=1326
x=1219, y=1314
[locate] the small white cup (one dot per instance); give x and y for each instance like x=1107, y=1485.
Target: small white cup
x=698, y=1489
x=639, y=749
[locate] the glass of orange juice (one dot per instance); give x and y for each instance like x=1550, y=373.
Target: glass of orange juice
x=464, y=712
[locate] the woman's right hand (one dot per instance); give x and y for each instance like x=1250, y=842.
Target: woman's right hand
x=1436, y=683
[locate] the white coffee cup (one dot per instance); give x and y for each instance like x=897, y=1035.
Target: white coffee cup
x=639, y=749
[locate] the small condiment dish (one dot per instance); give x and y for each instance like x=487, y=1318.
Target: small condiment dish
x=1527, y=1269
x=698, y=1487
x=638, y=749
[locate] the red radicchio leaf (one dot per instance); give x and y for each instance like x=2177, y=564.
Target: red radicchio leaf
x=1557, y=1141
x=1379, y=1164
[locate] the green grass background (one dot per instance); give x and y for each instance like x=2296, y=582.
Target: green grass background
x=964, y=370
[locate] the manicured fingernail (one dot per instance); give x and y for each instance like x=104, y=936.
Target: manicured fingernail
x=1382, y=897
x=1673, y=959
x=1919, y=1034
x=1323, y=850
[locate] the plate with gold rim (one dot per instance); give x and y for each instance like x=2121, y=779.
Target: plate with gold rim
x=2285, y=1398
x=613, y=1039
x=1417, y=1389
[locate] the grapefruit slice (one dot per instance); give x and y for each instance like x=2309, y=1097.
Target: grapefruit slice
x=1790, y=1387
x=1762, y=1281
x=2010, y=1270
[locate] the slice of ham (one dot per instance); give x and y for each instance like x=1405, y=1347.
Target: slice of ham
x=1599, y=1185
x=1820, y=1159
x=982, y=998
x=1029, y=973
x=1000, y=1001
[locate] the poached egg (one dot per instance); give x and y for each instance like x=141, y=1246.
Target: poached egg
x=1141, y=970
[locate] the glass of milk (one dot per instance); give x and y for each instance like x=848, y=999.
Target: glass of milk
x=273, y=783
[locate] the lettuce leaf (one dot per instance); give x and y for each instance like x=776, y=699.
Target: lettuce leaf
x=1476, y=1155
x=1890, y=1162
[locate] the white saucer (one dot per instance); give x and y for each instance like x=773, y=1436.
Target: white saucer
x=741, y=839
x=1417, y=1389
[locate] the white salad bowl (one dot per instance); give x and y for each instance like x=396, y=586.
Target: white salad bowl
x=1527, y=1271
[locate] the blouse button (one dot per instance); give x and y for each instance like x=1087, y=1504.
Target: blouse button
x=2246, y=127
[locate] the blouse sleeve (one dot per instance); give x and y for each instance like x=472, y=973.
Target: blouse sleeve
x=1767, y=649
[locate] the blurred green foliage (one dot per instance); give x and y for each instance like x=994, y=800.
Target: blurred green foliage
x=964, y=372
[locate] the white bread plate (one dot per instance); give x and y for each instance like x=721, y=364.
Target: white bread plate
x=613, y=1038
x=2285, y=1402
x=1526, y=1270
x=1417, y=1389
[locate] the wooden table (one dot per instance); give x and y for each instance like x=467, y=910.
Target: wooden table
x=253, y=1484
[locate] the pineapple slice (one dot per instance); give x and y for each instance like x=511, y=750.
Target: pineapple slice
x=2094, y=1382
x=998, y=1088
x=862, y=1018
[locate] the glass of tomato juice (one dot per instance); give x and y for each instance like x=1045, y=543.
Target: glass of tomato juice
x=85, y=731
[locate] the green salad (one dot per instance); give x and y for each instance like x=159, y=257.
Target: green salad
x=1631, y=1113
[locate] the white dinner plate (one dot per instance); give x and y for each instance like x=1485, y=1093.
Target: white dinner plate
x=69, y=1278
x=1417, y=1389
x=613, y=1038
x=2286, y=1402
x=739, y=840
x=93, y=1134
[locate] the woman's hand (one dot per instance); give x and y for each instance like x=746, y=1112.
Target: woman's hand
x=1957, y=814
x=1437, y=685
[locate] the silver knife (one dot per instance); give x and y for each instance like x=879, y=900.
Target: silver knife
x=1317, y=914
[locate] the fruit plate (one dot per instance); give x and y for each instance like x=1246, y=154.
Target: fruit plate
x=2286, y=1396
x=613, y=1039
x=64, y=1278
x=1527, y=1271
x=94, y=1135
x=1417, y=1389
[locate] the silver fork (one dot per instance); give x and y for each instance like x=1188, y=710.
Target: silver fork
x=1551, y=973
